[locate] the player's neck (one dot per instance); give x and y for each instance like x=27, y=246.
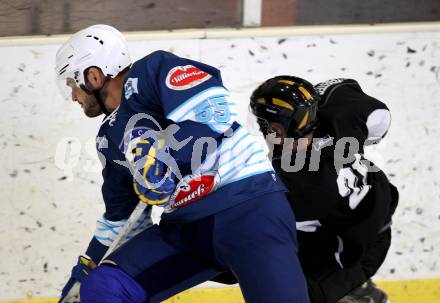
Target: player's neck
x=114, y=92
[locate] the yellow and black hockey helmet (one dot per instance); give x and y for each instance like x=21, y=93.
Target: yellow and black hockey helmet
x=288, y=100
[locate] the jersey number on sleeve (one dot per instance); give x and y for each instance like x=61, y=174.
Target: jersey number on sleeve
x=215, y=108
x=352, y=182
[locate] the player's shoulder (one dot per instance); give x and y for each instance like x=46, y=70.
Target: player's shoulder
x=323, y=87
x=337, y=98
x=152, y=60
x=157, y=56
x=143, y=72
x=352, y=112
x=327, y=89
x=347, y=93
x=165, y=65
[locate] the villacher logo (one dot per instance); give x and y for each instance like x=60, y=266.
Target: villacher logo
x=185, y=77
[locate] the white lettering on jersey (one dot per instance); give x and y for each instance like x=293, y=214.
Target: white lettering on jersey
x=352, y=182
x=322, y=87
x=112, y=118
x=319, y=143
x=308, y=226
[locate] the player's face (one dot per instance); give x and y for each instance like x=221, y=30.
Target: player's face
x=86, y=100
x=281, y=133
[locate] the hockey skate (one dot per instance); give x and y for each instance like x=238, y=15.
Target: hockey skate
x=366, y=293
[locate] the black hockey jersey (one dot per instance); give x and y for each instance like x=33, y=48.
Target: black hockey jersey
x=342, y=202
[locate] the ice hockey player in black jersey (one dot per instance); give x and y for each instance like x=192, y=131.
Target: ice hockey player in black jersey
x=342, y=202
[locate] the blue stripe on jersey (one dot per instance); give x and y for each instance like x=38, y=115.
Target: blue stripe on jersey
x=219, y=148
x=255, y=163
x=108, y=229
x=238, y=154
x=219, y=151
x=178, y=108
x=243, y=164
x=219, y=124
x=110, y=223
x=245, y=176
x=215, y=127
x=104, y=238
x=235, y=144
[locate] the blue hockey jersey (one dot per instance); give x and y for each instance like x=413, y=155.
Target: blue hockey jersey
x=219, y=163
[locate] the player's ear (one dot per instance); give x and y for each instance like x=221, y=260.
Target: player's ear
x=95, y=78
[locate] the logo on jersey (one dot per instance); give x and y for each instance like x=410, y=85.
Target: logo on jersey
x=131, y=87
x=320, y=143
x=323, y=86
x=131, y=138
x=184, y=77
x=101, y=143
x=112, y=118
x=193, y=187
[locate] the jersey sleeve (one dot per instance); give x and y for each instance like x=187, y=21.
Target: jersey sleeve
x=351, y=112
x=187, y=93
x=367, y=205
x=107, y=231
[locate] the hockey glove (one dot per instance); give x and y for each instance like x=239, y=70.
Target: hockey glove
x=70, y=292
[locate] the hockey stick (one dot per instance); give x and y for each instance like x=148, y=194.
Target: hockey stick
x=125, y=230
x=73, y=295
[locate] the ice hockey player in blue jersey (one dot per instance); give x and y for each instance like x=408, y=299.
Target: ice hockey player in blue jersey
x=343, y=203
x=175, y=132
x=117, y=189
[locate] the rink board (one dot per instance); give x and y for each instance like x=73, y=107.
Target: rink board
x=42, y=209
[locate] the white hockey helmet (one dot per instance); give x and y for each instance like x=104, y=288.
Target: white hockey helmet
x=99, y=45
